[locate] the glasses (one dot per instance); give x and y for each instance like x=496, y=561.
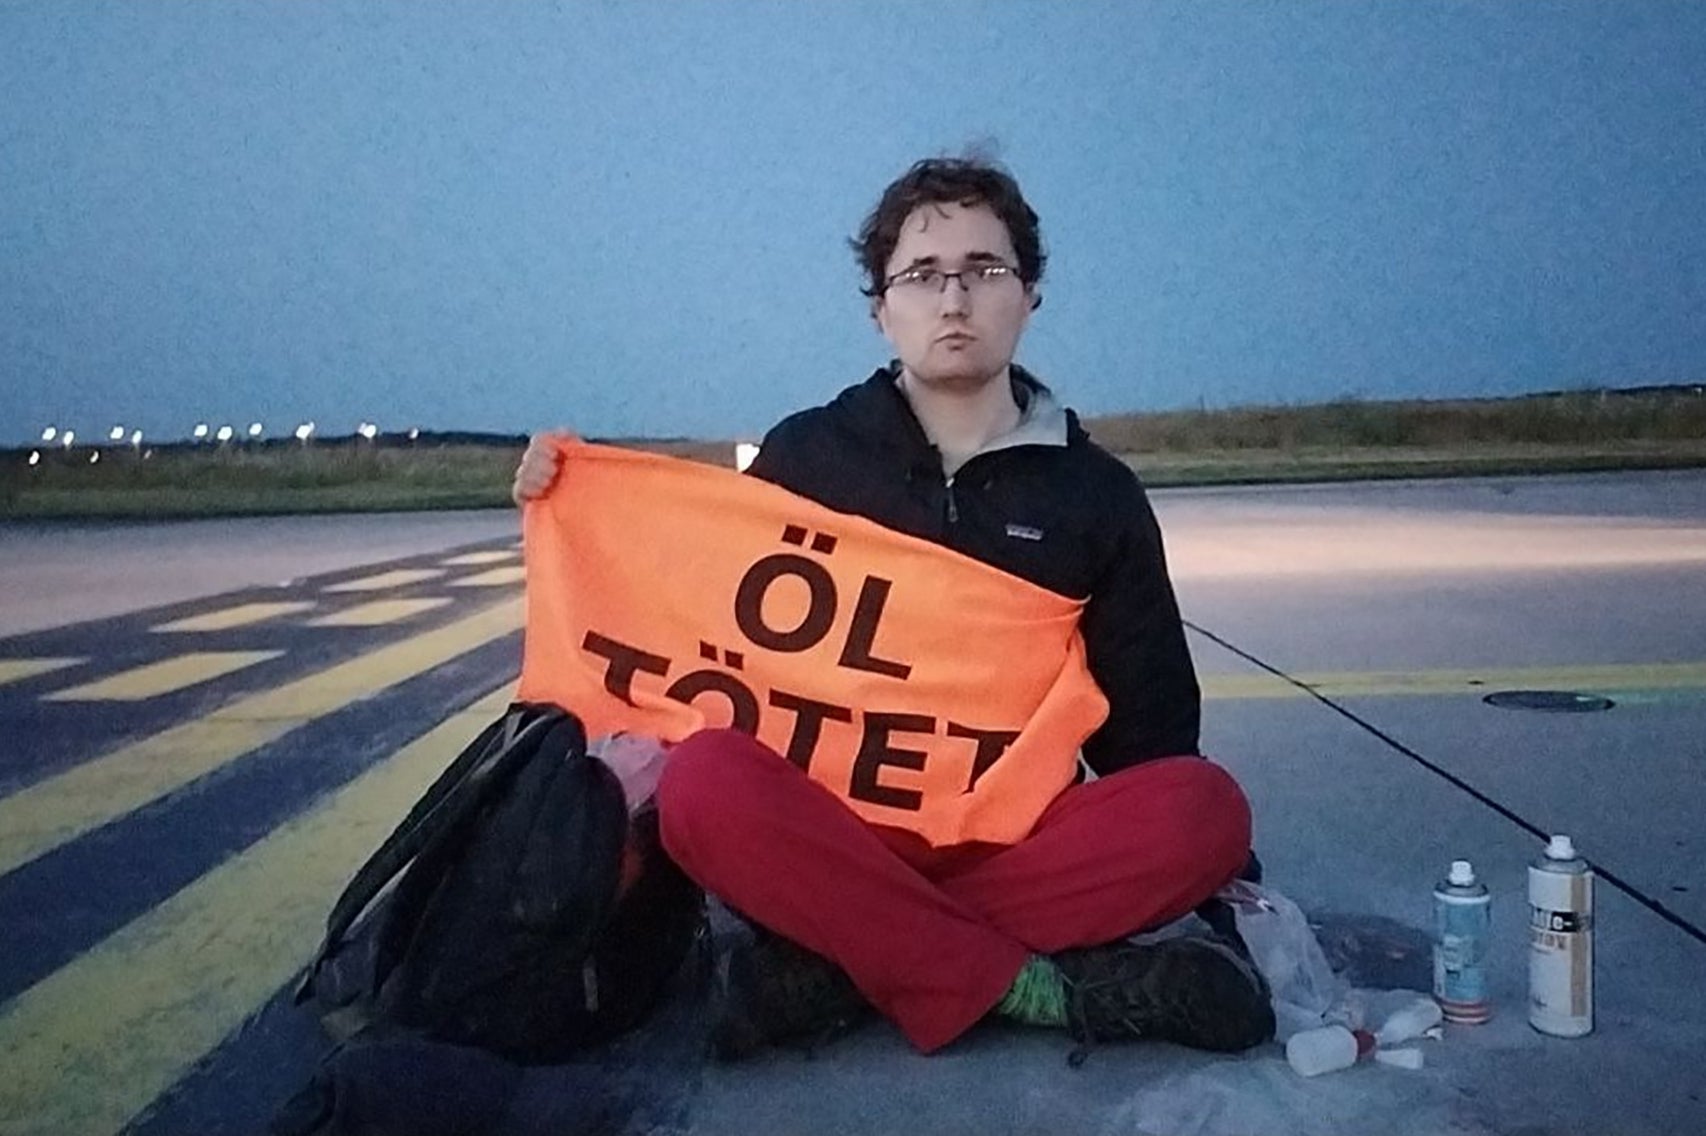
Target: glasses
x=934, y=282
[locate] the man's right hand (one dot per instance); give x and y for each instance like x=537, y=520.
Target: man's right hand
x=539, y=466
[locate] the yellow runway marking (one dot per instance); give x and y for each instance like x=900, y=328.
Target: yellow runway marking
x=378, y=612
x=493, y=578
x=95, y=1042
x=240, y=616
x=45, y=815
x=1586, y=679
x=14, y=670
x=162, y=677
x=394, y=579
x=473, y=559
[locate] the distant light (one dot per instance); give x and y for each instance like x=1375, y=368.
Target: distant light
x=136, y=437
x=67, y=438
x=304, y=431
x=94, y=457
x=49, y=434
x=200, y=431
x=35, y=457
x=254, y=429
x=116, y=433
x=367, y=430
x=225, y=433
x=745, y=452
x=414, y=432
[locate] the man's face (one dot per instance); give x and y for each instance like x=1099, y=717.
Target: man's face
x=963, y=336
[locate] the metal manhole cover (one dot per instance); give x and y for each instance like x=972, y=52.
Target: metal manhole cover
x=1555, y=701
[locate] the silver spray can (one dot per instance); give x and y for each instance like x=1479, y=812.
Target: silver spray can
x=1463, y=925
x=1560, y=941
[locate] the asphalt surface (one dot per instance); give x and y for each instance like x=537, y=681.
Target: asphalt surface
x=58, y=572
x=181, y=796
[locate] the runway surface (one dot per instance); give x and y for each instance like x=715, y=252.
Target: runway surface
x=205, y=727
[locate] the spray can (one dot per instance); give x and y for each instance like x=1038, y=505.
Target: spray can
x=1560, y=941
x=1463, y=927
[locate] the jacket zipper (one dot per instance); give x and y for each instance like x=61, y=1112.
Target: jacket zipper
x=953, y=506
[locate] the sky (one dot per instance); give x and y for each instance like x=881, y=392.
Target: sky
x=631, y=218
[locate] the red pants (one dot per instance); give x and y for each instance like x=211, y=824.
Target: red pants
x=934, y=937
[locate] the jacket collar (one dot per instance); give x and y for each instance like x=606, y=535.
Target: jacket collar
x=878, y=411
x=1042, y=420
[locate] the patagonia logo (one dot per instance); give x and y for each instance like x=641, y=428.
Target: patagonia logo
x=1023, y=532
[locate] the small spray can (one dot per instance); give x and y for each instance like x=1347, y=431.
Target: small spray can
x=1463, y=926
x=1560, y=941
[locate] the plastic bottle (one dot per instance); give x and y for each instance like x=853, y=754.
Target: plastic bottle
x=1400, y=1058
x=1560, y=941
x=1317, y=1051
x=1408, y=1023
x=1462, y=931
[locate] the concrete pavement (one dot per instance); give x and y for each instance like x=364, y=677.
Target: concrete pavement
x=1345, y=635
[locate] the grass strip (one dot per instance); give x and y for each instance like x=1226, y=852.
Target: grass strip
x=1349, y=439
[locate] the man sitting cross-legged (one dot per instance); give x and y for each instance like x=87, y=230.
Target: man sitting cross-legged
x=955, y=444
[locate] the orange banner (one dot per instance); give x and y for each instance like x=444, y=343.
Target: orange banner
x=928, y=690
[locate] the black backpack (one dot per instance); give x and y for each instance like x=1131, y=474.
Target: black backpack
x=516, y=908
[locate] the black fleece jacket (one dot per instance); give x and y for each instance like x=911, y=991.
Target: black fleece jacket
x=1073, y=519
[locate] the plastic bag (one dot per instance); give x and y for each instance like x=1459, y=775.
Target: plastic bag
x=1306, y=992
x=637, y=761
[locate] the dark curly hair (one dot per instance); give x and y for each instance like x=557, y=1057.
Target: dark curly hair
x=941, y=181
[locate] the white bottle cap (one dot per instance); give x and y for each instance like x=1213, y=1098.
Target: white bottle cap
x=1461, y=874
x=1560, y=848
